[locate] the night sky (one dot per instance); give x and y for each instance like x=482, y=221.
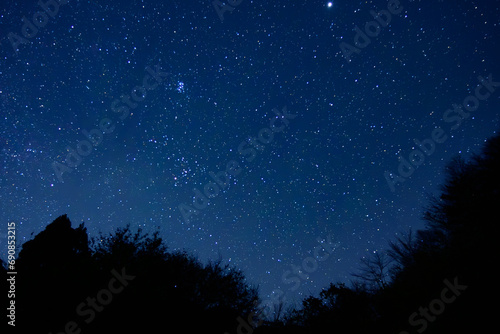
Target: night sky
x=286, y=121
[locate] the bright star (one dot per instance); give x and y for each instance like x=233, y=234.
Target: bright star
x=330, y=4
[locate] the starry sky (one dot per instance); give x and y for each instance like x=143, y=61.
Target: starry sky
x=248, y=130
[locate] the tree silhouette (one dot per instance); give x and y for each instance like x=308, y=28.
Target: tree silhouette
x=52, y=270
x=337, y=307
x=124, y=282
x=403, y=252
x=129, y=282
x=374, y=270
x=457, y=245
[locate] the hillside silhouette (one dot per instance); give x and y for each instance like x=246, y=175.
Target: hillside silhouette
x=435, y=280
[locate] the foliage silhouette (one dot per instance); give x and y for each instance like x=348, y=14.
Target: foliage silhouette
x=61, y=269
x=457, y=242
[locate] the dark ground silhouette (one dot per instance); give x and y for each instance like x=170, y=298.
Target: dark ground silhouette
x=436, y=280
